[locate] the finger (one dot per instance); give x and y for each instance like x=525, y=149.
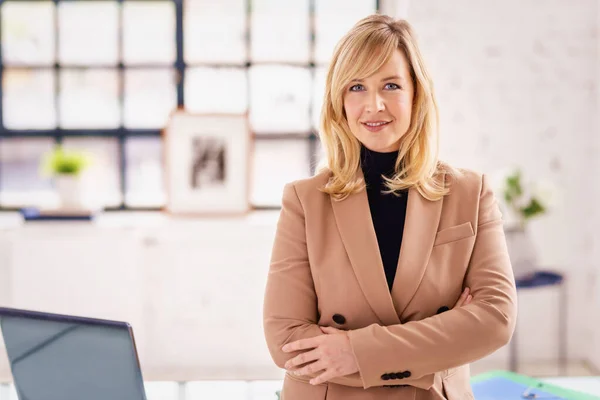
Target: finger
x=467, y=301
x=311, y=368
x=462, y=298
x=302, y=359
x=301, y=344
x=324, y=377
x=329, y=329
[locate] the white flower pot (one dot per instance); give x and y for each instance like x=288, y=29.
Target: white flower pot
x=523, y=255
x=70, y=191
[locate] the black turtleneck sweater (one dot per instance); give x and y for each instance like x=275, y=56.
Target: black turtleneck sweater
x=388, y=211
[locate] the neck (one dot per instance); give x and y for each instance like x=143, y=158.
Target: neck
x=374, y=164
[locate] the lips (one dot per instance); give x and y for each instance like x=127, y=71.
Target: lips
x=375, y=123
x=374, y=126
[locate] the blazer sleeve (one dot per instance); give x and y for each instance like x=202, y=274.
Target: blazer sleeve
x=458, y=336
x=290, y=302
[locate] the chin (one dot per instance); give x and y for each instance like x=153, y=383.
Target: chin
x=382, y=146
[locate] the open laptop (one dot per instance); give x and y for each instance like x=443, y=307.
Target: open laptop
x=63, y=357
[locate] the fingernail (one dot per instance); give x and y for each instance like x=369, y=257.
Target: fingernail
x=469, y=297
x=284, y=348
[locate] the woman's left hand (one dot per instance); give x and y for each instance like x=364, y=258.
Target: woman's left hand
x=330, y=353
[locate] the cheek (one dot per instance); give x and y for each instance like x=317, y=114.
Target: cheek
x=402, y=106
x=353, y=109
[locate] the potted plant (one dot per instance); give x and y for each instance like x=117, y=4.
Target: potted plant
x=66, y=168
x=523, y=202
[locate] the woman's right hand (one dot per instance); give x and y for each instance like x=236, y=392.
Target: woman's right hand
x=464, y=299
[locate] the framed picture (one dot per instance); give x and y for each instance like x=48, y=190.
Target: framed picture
x=206, y=163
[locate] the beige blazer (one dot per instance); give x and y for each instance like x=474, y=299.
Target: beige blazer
x=326, y=270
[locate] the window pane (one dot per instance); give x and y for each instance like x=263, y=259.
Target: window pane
x=206, y=20
x=277, y=162
x=150, y=96
x=219, y=90
x=28, y=99
x=21, y=178
x=28, y=32
x=149, y=32
x=88, y=32
x=333, y=19
x=145, y=179
x=280, y=31
x=280, y=99
x=318, y=93
x=89, y=99
x=101, y=180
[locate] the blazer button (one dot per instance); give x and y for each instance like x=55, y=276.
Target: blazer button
x=406, y=374
x=442, y=309
x=339, y=319
x=386, y=377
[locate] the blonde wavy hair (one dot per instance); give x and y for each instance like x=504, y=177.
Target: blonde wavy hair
x=360, y=53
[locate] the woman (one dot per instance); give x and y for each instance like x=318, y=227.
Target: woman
x=371, y=253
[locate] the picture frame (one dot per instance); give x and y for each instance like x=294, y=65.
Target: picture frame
x=207, y=159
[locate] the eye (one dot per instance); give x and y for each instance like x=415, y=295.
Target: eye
x=392, y=86
x=356, y=88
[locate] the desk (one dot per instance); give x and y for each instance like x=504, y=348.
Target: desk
x=586, y=384
x=261, y=389
x=505, y=385
x=257, y=390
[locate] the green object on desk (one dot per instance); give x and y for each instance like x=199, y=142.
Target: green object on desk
x=504, y=379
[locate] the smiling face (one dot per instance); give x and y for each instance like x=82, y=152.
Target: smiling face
x=378, y=108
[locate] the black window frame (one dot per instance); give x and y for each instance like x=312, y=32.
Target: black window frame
x=122, y=133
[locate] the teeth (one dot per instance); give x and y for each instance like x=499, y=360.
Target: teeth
x=375, y=123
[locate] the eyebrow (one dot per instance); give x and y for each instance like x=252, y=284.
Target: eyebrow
x=384, y=79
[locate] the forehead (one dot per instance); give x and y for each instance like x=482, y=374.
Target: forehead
x=397, y=64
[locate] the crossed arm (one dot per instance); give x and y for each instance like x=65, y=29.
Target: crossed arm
x=378, y=349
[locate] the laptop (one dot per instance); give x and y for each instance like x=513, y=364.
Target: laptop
x=64, y=357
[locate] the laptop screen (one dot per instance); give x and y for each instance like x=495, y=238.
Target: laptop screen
x=63, y=360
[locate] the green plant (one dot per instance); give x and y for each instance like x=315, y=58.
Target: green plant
x=64, y=162
x=523, y=202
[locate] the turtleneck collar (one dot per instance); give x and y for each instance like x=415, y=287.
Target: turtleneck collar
x=374, y=164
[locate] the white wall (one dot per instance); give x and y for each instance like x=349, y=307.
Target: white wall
x=517, y=85
x=594, y=357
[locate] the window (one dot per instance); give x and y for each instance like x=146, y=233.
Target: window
x=104, y=75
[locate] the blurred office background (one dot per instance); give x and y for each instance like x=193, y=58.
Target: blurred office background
x=517, y=86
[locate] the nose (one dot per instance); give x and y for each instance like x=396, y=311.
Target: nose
x=375, y=102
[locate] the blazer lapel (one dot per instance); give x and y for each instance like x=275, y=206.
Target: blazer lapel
x=353, y=218
x=420, y=228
